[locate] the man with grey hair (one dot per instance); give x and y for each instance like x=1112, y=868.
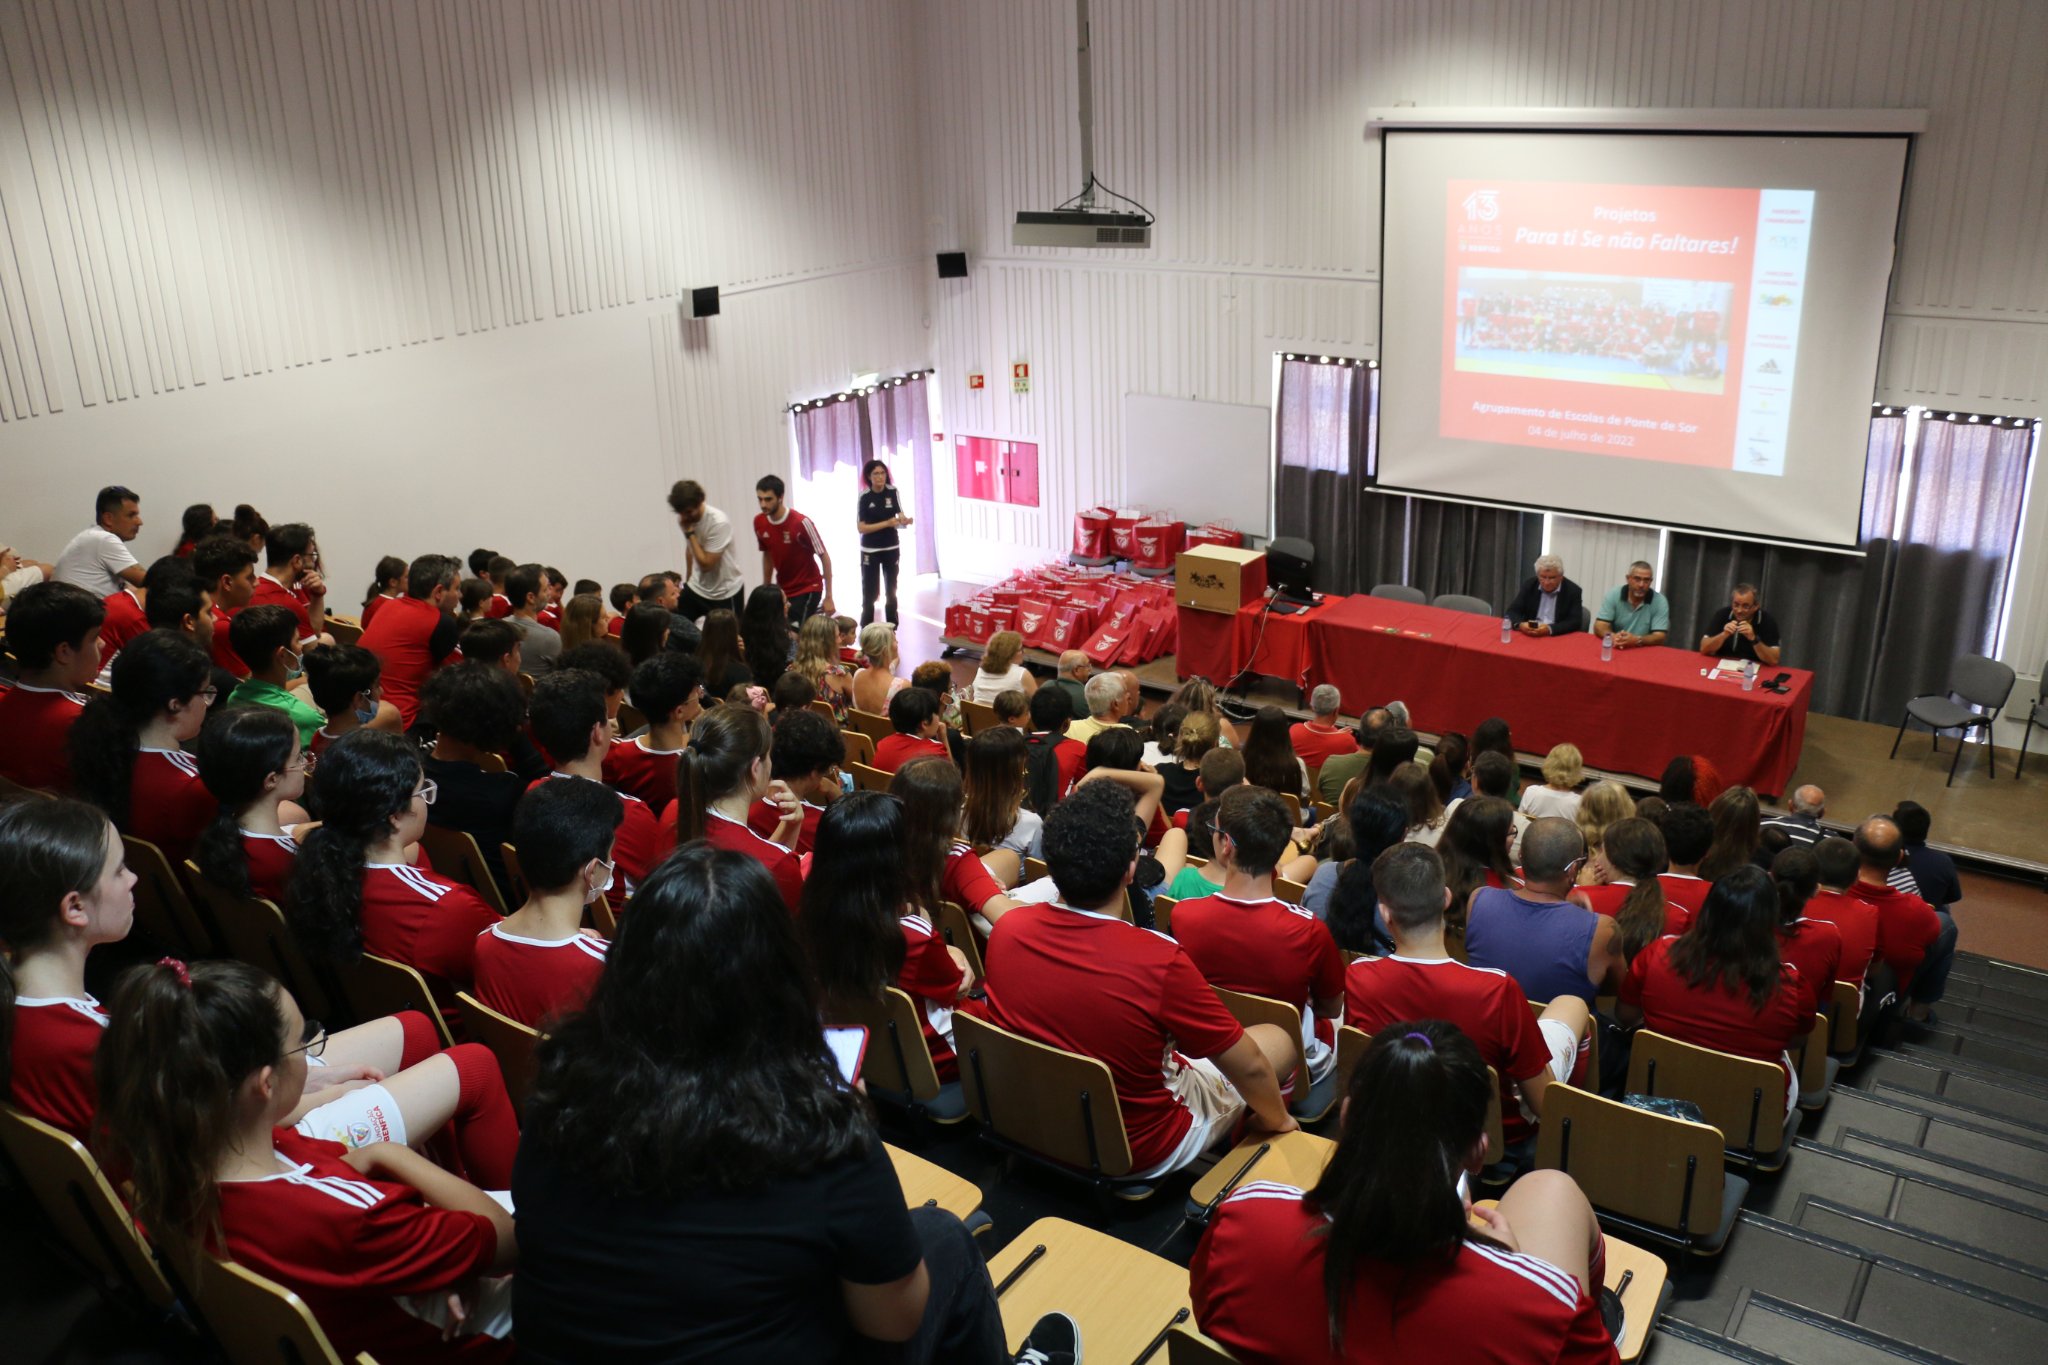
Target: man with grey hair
x=1109, y=701
x=1802, y=822
x=1073, y=678
x=1634, y=614
x=1319, y=739
x=1550, y=944
x=1549, y=603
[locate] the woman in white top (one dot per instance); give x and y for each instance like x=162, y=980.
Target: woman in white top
x=874, y=684
x=997, y=769
x=1563, y=770
x=1426, y=819
x=1000, y=672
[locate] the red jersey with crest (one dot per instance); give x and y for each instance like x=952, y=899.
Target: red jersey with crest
x=50, y=1076
x=271, y=593
x=35, y=730
x=764, y=815
x=425, y=921
x=1855, y=919
x=402, y=639
x=532, y=979
x=793, y=546
x=124, y=622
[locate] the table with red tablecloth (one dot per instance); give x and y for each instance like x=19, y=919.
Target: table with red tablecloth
x=1630, y=714
x=1218, y=647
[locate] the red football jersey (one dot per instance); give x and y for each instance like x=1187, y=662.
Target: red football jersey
x=425, y=921
x=1071, y=757
x=1257, y=1286
x=793, y=546
x=1814, y=946
x=1102, y=987
x=931, y=978
x=223, y=649
x=1856, y=920
x=167, y=803
x=549, y=617
x=52, y=1052
x=615, y=627
x=1906, y=927
x=271, y=593
x=1607, y=897
x=1315, y=745
x=271, y=859
x=1714, y=1016
x=764, y=815
x=499, y=607
x=402, y=639
x=725, y=832
x=966, y=881
x=1267, y=948
x=349, y=1246
x=637, y=846
x=531, y=979
x=1485, y=1004
x=35, y=727
x=124, y=622
x=1683, y=895
x=375, y=605
x=637, y=770
x=893, y=751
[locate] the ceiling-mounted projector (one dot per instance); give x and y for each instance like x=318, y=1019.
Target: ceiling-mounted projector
x=1082, y=228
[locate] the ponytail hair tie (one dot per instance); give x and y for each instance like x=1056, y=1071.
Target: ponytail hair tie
x=1422, y=1038
x=178, y=969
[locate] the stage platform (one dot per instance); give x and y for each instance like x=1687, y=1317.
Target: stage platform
x=1999, y=824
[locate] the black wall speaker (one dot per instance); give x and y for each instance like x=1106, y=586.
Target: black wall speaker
x=952, y=265
x=704, y=302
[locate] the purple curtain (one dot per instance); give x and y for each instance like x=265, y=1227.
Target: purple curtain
x=830, y=435
x=899, y=419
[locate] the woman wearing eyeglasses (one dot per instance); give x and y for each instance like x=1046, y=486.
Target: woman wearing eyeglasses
x=125, y=757
x=64, y=890
x=250, y=760
x=199, y=1075
x=354, y=891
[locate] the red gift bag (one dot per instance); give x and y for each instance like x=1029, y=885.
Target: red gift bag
x=1104, y=646
x=1215, y=533
x=1091, y=533
x=1137, y=643
x=1122, y=531
x=1156, y=542
x=1034, y=619
x=1071, y=627
x=958, y=619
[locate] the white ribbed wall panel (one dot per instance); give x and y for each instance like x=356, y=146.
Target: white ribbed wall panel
x=1597, y=554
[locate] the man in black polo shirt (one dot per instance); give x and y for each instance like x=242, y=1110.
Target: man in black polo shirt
x=1742, y=629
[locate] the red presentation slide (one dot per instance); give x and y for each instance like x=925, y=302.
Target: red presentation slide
x=1606, y=319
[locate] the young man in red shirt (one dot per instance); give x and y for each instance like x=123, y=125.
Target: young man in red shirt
x=53, y=631
x=1076, y=976
x=226, y=567
x=1853, y=917
x=539, y=962
x=806, y=754
x=1246, y=939
x=668, y=689
x=569, y=723
x=414, y=633
x=920, y=730
x=1421, y=980
x=292, y=580
x=1909, y=933
x=1318, y=739
x=1688, y=833
x=792, y=553
x=496, y=572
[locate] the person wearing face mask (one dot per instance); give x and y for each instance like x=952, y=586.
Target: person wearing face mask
x=344, y=682
x=266, y=638
x=538, y=963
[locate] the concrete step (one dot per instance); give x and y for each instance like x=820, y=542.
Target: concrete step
x=1941, y=1106
x=1972, y=1265
x=1681, y=1343
x=1982, y=1047
x=2023, y=1155
x=1996, y=1182
x=2013, y=1094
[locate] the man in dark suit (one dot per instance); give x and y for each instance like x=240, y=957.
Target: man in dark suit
x=1549, y=603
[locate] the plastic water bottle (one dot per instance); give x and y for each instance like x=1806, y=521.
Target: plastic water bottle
x=1507, y=629
x=1749, y=676
x=1607, y=649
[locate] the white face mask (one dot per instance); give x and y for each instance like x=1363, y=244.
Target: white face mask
x=594, y=892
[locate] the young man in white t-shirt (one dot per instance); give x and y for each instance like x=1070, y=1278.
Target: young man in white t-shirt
x=714, y=578
x=98, y=558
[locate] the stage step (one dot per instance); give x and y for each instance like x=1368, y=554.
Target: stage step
x=1810, y=1297
x=1921, y=1200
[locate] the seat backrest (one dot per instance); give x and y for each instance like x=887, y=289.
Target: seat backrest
x=1810, y=1057
x=346, y=630
x=1981, y=681
x=510, y=1041
x=630, y=719
x=257, y=1320
x=859, y=748
x=603, y=918
x=456, y=856
x=977, y=716
x=1741, y=1096
x=898, y=1060
x=876, y=728
x=1294, y=803
x=376, y=986
x=824, y=708
x=1458, y=601
x=1186, y=1346
x=1261, y=1009
x=956, y=926
x=81, y=1206
x=1848, y=1009
x=870, y=779
x=162, y=909
x=1058, y=1104
x=1659, y=1170
x=1399, y=592
x=514, y=877
x=10, y=790
x=1291, y=892
x=1162, y=913
x=252, y=930
x=1035, y=868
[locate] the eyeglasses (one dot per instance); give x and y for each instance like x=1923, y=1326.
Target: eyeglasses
x=427, y=792
x=316, y=1040
x=207, y=694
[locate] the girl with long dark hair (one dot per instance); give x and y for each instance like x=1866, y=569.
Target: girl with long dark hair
x=1814, y=946
x=125, y=754
x=718, y=650
x=699, y=1182
x=719, y=777
x=1628, y=887
x=939, y=865
x=645, y=632
x=1474, y=848
x=1385, y=1244
x=997, y=766
x=862, y=932
x=1269, y=757
x=881, y=512
x=1738, y=824
x=1722, y=984
x=1341, y=894
x=353, y=889
x=250, y=760
x=196, y=525
x=199, y=1074
x=765, y=636
x=386, y=585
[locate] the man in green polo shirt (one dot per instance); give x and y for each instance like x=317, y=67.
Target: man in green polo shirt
x=266, y=637
x=1635, y=613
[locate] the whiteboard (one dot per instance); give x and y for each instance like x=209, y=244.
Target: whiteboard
x=1200, y=461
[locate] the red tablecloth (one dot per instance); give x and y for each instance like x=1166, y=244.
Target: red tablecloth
x=1631, y=714
x=1218, y=647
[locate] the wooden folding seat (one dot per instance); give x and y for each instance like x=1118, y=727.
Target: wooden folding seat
x=510, y=1041
x=824, y=708
x=1124, y=1299
x=1741, y=1096
x=1659, y=1177
x=1293, y=808
x=976, y=716
x=876, y=728
x=515, y=879
x=163, y=912
x=10, y=790
x=897, y=1067
x=84, y=1212
x=869, y=779
x=257, y=1321
x=956, y=926
x=631, y=722
x=455, y=855
x=927, y=1184
x=346, y=630
x=1047, y=1105
x=372, y=987
x=1845, y=1038
x=859, y=748
x=1311, y=1101
x=1296, y=1159
x=1291, y=892
x=1817, y=1070
x=1162, y=913
x=1035, y=868
x=252, y=930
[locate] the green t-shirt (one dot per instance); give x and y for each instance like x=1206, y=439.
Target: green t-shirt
x=1654, y=615
x=305, y=715
x=1189, y=883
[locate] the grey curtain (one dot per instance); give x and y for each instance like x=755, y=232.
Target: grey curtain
x=899, y=419
x=832, y=434
x=1938, y=536
x=1325, y=440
